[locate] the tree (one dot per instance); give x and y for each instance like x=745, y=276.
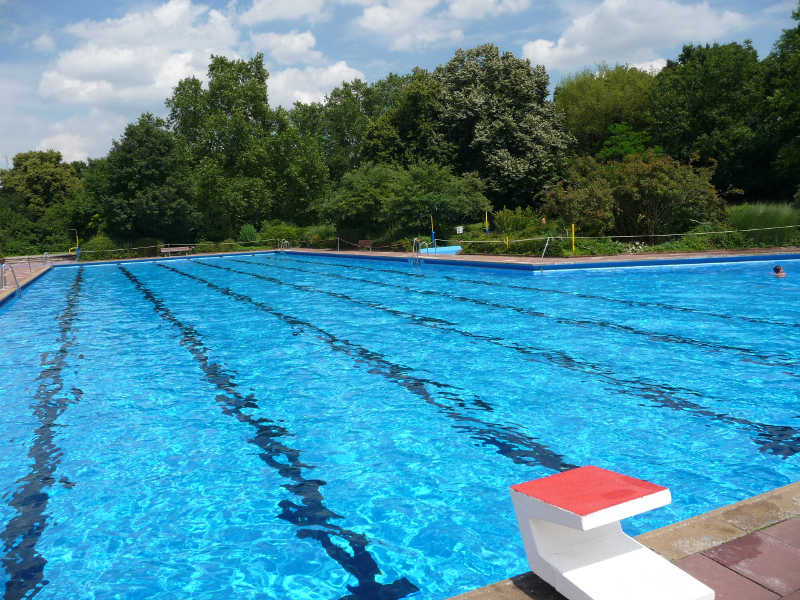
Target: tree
x=643, y=194
x=584, y=197
x=248, y=162
x=593, y=101
x=706, y=106
x=494, y=110
x=42, y=179
x=782, y=116
x=623, y=140
x=383, y=201
x=147, y=190
x=409, y=130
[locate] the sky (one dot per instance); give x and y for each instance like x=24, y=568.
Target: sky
x=73, y=74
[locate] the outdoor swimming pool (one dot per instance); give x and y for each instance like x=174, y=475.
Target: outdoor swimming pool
x=287, y=426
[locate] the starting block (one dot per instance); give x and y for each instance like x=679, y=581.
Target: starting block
x=570, y=525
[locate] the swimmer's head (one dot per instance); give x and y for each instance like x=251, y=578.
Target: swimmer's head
x=777, y=268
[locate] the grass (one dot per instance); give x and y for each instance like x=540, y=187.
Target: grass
x=755, y=216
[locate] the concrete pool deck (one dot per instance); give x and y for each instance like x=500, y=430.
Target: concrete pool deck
x=749, y=550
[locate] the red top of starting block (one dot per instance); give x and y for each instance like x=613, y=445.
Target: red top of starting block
x=586, y=490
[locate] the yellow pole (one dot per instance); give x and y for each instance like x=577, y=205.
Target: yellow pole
x=506, y=242
x=573, y=238
x=487, y=220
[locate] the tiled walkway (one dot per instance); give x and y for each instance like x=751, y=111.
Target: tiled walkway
x=759, y=566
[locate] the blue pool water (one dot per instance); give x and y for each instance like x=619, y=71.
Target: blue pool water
x=286, y=426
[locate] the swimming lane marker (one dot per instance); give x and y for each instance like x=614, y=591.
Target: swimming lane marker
x=570, y=525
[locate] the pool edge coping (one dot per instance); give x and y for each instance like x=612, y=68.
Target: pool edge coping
x=532, y=266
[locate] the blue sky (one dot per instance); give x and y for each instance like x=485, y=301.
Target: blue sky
x=73, y=74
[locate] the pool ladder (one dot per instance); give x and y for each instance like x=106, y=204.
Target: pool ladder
x=417, y=251
x=13, y=274
x=541, y=260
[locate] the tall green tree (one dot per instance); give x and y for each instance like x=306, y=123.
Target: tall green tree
x=707, y=106
x=410, y=129
x=495, y=111
x=249, y=162
x=594, y=100
x=782, y=114
x=147, y=193
x=42, y=179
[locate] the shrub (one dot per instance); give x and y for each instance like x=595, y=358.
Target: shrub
x=274, y=231
x=99, y=247
x=585, y=198
x=797, y=198
x=248, y=233
x=519, y=219
x=205, y=247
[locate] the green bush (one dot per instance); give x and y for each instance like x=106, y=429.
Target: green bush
x=205, y=247
x=248, y=233
x=100, y=247
x=274, y=231
x=761, y=216
x=797, y=198
x=519, y=219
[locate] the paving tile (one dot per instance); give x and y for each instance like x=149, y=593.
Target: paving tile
x=788, y=532
x=689, y=537
x=792, y=596
x=727, y=585
x=762, y=558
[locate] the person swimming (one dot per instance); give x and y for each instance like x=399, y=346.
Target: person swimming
x=779, y=272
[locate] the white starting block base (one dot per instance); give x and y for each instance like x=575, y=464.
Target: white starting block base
x=588, y=556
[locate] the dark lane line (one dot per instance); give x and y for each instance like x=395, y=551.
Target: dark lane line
x=712, y=347
x=505, y=439
x=21, y=559
x=631, y=303
x=310, y=516
x=781, y=440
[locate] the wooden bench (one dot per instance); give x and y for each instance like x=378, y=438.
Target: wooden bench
x=570, y=525
x=365, y=244
x=169, y=250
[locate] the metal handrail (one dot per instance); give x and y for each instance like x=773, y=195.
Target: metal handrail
x=16, y=282
x=541, y=263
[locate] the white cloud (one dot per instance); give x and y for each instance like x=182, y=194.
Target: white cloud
x=83, y=135
x=276, y=10
x=630, y=31
x=310, y=84
x=141, y=56
x=44, y=43
x=478, y=9
x=71, y=146
x=651, y=66
x=289, y=49
x=409, y=24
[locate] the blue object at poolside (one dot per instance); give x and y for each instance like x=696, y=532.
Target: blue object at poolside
x=442, y=250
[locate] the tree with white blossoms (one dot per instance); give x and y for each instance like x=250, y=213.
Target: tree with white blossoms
x=495, y=110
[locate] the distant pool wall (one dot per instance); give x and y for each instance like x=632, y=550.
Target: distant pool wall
x=531, y=266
